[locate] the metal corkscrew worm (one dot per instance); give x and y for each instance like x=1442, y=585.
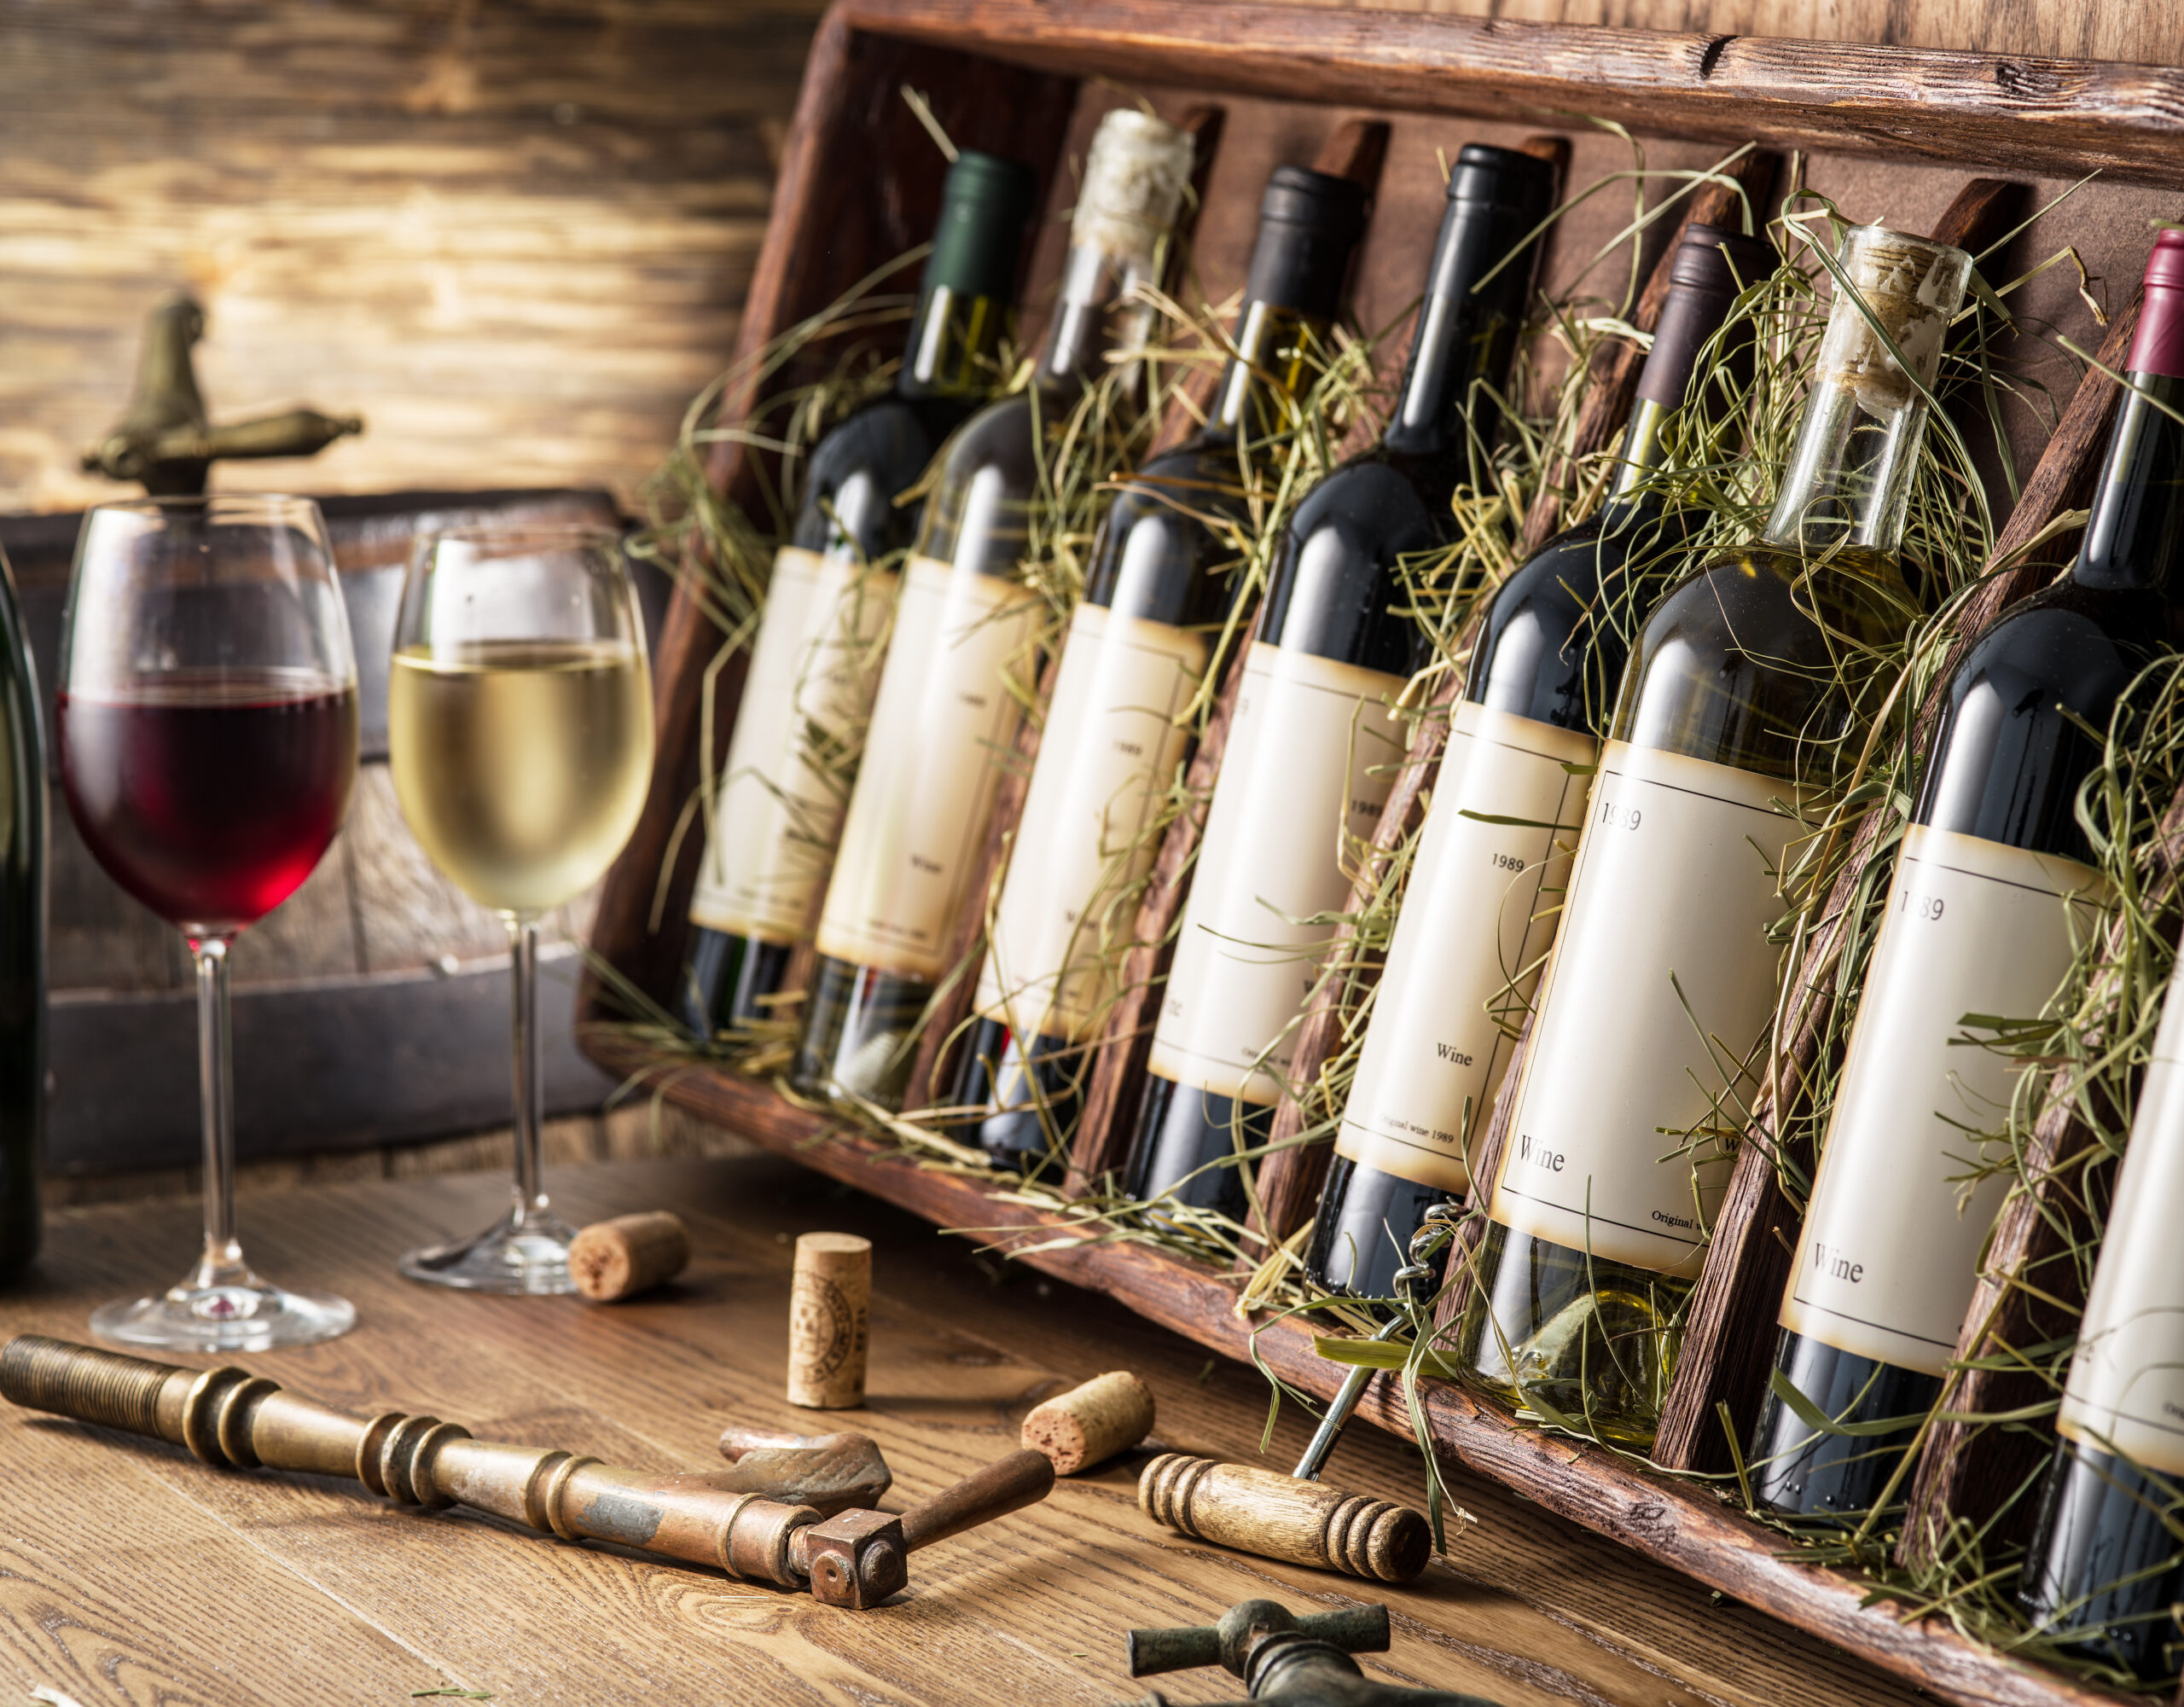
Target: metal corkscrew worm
x=229, y=1418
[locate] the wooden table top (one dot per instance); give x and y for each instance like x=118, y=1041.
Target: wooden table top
x=131, y=1572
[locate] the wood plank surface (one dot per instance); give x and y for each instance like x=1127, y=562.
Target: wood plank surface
x=1679, y=1523
x=350, y=1599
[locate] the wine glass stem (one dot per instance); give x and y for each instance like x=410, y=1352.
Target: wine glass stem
x=215, y=1095
x=530, y=1084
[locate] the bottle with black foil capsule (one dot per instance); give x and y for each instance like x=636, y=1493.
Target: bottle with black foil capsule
x=816, y=662
x=22, y=941
x=961, y=664
x=1160, y=586
x=1313, y=748
x=1991, y=897
x=1479, y=908
x=1649, y=1033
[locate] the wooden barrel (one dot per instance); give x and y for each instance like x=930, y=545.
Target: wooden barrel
x=372, y=1007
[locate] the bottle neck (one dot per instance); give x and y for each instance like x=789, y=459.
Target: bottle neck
x=1645, y=452
x=1452, y=384
x=950, y=349
x=1096, y=315
x=1274, y=348
x=1849, y=482
x=2135, y=537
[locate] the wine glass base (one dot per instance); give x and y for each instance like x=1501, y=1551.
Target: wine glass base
x=527, y=1257
x=247, y=1316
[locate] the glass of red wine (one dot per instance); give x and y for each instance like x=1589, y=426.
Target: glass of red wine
x=207, y=735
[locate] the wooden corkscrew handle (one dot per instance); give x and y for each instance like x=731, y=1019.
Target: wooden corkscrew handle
x=1275, y=1516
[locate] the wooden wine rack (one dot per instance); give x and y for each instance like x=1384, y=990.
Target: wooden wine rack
x=1891, y=134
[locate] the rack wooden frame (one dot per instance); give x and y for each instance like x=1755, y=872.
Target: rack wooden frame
x=1004, y=75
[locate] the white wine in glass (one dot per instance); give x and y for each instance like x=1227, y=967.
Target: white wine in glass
x=520, y=730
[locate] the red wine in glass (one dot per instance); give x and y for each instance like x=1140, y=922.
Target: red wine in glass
x=209, y=795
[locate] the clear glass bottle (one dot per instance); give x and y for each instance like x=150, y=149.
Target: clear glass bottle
x=1650, y=1026
x=815, y=664
x=1479, y=908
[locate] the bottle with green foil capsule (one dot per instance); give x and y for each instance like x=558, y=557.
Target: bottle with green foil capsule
x=22, y=941
x=1992, y=896
x=961, y=666
x=1314, y=747
x=1650, y=1031
x=1161, y=585
x=815, y=664
x=1481, y=903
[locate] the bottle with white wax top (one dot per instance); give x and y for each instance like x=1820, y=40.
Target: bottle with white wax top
x=1484, y=889
x=1163, y=575
x=1650, y=1027
x=1992, y=897
x=1314, y=747
x=815, y=665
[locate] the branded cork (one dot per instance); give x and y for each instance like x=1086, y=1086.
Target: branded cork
x=828, y=1301
x=1091, y=1423
x=628, y=1255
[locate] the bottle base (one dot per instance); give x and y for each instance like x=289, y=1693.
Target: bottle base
x=1030, y=1098
x=730, y=981
x=1185, y=1152
x=2104, y=1571
x=860, y=1034
x=1801, y=1471
x=1361, y=1234
x=1579, y=1341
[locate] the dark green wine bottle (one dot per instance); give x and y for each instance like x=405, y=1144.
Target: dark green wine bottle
x=22, y=941
x=1479, y=908
x=816, y=662
x=1650, y=1031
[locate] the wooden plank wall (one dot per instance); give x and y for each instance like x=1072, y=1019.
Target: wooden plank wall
x=515, y=235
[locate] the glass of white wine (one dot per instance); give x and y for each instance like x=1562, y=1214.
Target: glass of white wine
x=520, y=731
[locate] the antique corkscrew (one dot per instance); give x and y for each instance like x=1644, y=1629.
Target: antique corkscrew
x=1295, y=1518
x=1298, y=1661
x=232, y=1419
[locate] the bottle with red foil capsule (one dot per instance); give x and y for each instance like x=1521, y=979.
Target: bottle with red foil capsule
x=1993, y=893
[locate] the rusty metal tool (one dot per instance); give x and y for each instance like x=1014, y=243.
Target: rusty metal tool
x=232, y=1419
x=1294, y=1518
x=828, y=1472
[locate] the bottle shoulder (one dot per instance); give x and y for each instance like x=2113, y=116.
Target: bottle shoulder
x=1542, y=651
x=998, y=436
x=855, y=471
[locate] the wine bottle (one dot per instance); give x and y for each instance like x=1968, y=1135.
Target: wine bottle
x=1480, y=907
x=1992, y=894
x=815, y=665
x=2105, y=1569
x=1160, y=586
x=1314, y=745
x=22, y=941
x=945, y=716
x=1650, y=1031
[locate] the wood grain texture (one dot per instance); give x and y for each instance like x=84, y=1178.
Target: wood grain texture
x=1678, y=1523
x=514, y=234
x=1732, y=1336
x=2016, y=113
x=1290, y=1180
x=354, y=1601
x=2085, y=29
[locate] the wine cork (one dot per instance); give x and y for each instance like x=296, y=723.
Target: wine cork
x=1088, y=1425
x=828, y=1302
x=628, y=1255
